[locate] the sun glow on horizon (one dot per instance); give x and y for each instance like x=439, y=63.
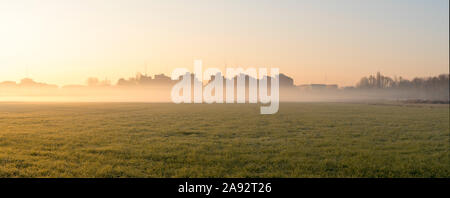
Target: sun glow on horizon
x=65, y=42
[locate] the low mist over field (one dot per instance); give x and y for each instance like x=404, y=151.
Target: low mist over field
x=143, y=88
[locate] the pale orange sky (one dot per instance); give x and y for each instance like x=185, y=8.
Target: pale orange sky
x=64, y=42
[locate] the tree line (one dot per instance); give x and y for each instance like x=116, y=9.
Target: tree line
x=379, y=81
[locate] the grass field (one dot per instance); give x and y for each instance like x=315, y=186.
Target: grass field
x=168, y=140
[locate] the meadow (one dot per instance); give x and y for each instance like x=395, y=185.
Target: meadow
x=223, y=140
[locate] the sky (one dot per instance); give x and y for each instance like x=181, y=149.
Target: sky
x=314, y=41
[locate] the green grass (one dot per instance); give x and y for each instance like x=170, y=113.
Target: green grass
x=168, y=140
